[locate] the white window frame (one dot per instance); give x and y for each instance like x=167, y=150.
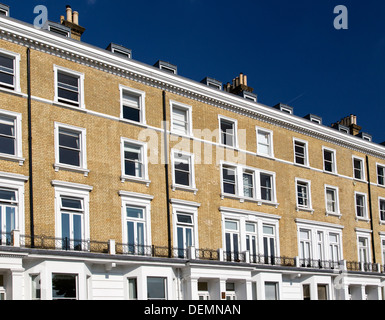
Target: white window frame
x=365, y=217
x=139, y=200
x=383, y=167
x=271, y=142
x=382, y=237
x=83, y=149
x=235, y=124
x=143, y=146
x=306, y=156
x=72, y=190
x=337, y=201
x=334, y=160
x=309, y=207
x=16, y=65
x=327, y=229
x=362, y=168
x=80, y=76
x=192, y=185
x=189, y=125
x=16, y=182
x=239, y=190
x=380, y=199
x=360, y=233
x=18, y=156
x=185, y=208
x=142, y=103
x=246, y=216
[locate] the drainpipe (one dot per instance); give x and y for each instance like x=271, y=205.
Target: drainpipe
x=32, y=227
x=370, y=208
x=166, y=165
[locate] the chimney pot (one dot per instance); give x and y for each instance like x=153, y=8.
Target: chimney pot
x=69, y=13
x=75, y=17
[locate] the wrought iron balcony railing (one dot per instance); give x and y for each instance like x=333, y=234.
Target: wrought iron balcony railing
x=110, y=247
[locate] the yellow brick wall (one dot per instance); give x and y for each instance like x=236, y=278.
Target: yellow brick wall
x=104, y=162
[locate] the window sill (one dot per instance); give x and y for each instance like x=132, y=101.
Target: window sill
x=136, y=123
x=182, y=135
x=243, y=199
x=362, y=219
x=335, y=214
x=304, y=209
x=8, y=157
x=265, y=156
x=184, y=188
x=135, y=179
x=13, y=91
x=332, y=173
x=70, y=106
x=305, y=166
x=59, y=166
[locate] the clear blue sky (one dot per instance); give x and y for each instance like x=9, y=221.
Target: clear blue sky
x=289, y=50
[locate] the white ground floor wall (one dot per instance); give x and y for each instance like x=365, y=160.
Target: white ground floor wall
x=26, y=276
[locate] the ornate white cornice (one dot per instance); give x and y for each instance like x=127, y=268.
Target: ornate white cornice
x=79, y=52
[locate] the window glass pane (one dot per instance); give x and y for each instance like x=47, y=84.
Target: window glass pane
x=7, y=195
x=231, y=225
x=6, y=63
x=68, y=81
x=69, y=139
x=132, y=289
x=7, y=126
x=35, y=281
x=304, y=235
x=182, y=218
x=10, y=219
x=131, y=114
x=180, y=120
x=156, y=288
x=131, y=100
x=270, y=291
x=72, y=203
x=7, y=145
x=130, y=233
x=77, y=223
x=133, y=160
x=266, y=188
x=134, y=213
x=227, y=129
x=131, y=106
x=64, y=286
x=7, y=70
x=70, y=157
x=68, y=95
x=140, y=234
x=180, y=240
x=248, y=181
x=322, y=292
x=65, y=227
x=228, y=180
x=268, y=230
x=250, y=227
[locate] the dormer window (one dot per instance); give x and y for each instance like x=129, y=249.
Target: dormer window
x=314, y=118
x=58, y=29
x=284, y=108
x=4, y=10
x=212, y=83
x=166, y=66
x=120, y=50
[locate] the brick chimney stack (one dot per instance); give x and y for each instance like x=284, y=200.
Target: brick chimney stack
x=239, y=85
x=351, y=123
x=71, y=20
